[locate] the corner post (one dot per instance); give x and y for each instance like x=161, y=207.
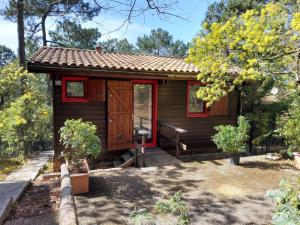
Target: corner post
x=177, y=145
x=143, y=149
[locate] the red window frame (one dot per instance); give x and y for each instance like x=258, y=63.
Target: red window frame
x=205, y=112
x=66, y=98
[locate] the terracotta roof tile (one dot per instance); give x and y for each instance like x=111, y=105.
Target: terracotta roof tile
x=68, y=57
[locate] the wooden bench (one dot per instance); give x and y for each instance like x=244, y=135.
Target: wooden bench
x=178, y=131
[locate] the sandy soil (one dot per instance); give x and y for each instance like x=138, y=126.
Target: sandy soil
x=216, y=192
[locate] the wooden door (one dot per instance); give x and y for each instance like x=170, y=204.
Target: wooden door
x=120, y=113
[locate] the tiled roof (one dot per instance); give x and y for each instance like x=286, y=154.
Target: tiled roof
x=68, y=57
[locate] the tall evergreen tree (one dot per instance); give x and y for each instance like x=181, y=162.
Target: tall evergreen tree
x=221, y=11
x=6, y=55
x=115, y=45
x=36, y=12
x=70, y=34
x=160, y=42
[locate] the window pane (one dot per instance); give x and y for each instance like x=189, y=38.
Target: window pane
x=196, y=105
x=143, y=108
x=75, y=88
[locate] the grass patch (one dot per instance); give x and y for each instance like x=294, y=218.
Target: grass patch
x=8, y=165
x=175, y=206
x=48, y=168
x=141, y=217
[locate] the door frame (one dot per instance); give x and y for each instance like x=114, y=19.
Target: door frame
x=154, y=108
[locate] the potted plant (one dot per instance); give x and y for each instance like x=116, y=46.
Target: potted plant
x=232, y=140
x=80, y=142
x=290, y=130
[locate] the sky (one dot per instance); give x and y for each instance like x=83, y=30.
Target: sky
x=193, y=12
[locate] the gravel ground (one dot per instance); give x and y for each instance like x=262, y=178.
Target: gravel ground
x=215, y=192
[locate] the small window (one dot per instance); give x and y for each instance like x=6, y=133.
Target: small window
x=195, y=106
x=74, y=89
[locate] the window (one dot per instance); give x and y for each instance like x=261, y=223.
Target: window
x=74, y=89
x=195, y=106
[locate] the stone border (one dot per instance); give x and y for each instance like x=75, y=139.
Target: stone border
x=4, y=212
x=67, y=212
x=15, y=184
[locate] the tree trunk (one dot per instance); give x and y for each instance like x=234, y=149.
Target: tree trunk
x=21, y=39
x=251, y=133
x=44, y=34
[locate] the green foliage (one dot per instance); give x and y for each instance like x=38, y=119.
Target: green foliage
x=287, y=199
x=115, y=45
x=230, y=139
x=160, y=42
x=80, y=140
x=141, y=217
x=223, y=10
x=175, y=206
x=6, y=55
x=7, y=165
x=247, y=48
x=36, y=13
x=25, y=116
x=70, y=34
x=290, y=127
x=24, y=123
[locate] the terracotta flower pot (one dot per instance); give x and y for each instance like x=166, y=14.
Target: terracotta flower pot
x=80, y=181
x=297, y=160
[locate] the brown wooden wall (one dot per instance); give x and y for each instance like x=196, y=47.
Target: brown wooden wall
x=172, y=109
x=94, y=112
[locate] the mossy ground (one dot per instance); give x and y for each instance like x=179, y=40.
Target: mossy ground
x=7, y=165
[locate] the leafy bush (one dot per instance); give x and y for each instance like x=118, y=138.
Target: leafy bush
x=230, y=139
x=25, y=113
x=141, y=217
x=176, y=206
x=80, y=140
x=287, y=199
x=290, y=127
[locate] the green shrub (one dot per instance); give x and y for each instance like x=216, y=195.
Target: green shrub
x=290, y=127
x=176, y=206
x=287, y=199
x=24, y=123
x=232, y=140
x=141, y=217
x=25, y=112
x=79, y=140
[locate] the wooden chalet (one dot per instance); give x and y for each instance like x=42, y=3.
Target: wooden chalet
x=123, y=92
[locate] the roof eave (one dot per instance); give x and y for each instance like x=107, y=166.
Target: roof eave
x=103, y=72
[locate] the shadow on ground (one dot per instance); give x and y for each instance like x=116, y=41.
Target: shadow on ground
x=216, y=193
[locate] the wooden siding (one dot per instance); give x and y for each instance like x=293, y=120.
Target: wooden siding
x=172, y=109
x=92, y=111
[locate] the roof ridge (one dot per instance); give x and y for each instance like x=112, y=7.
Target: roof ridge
x=116, y=52
x=145, y=54
x=67, y=48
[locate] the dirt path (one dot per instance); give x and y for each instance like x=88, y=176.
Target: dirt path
x=38, y=205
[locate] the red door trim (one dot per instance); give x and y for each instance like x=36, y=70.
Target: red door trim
x=154, y=109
